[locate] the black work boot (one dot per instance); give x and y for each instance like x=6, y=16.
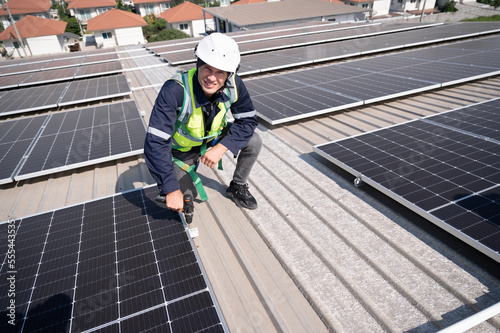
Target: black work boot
x=241, y=195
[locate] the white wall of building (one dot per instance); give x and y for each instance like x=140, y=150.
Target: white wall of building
x=381, y=7
x=129, y=36
x=152, y=8
x=45, y=44
x=399, y=5
x=105, y=38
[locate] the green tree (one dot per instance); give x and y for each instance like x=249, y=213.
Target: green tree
x=449, y=7
x=72, y=26
x=156, y=30
x=120, y=5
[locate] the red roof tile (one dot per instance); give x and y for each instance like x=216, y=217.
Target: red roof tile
x=186, y=11
x=32, y=26
x=91, y=4
x=17, y=7
x=115, y=18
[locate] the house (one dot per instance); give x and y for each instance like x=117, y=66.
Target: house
x=22, y=8
x=84, y=10
x=280, y=13
x=189, y=18
x=116, y=28
x=38, y=36
x=155, y=7
x=411, y=5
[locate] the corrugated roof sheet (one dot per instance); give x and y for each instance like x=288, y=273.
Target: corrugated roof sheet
x=286, y=10
x=32, y=26
x=186, y=11
x=114, y=19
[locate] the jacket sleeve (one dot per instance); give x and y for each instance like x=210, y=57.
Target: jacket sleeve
x=158, y=142
x=245, y=120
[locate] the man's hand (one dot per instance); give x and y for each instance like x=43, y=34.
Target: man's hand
x=175, y=201
x=213, y=155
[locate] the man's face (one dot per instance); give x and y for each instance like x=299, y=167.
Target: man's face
x=211, y=79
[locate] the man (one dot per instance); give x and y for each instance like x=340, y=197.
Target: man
x=188, y=125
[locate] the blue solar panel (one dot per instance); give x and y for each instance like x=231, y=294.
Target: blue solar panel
x=445, y=167
x=118, y=264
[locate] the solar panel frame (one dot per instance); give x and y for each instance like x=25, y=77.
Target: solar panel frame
x=31, y=99
x=445, y=167
x=107, y=265
x=95, y=89
x=371, y=80
x=77, y=138
x=105, y=68
x=44, y=77
x=16, y=138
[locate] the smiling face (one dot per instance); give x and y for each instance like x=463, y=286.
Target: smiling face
x=211, y=79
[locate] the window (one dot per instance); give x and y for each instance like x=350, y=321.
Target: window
x=101, y=10
x=164, y=6
x=365, y=5
x=85, y=14
x=149, y=9
x=183, y=26
x=107, y=35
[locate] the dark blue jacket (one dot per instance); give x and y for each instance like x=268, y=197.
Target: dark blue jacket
x=158, y=143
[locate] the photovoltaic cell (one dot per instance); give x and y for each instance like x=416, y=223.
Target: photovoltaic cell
x=30, y=99
x=278, y=98
x=118, y=264
x=99, y=69
x=16, y=136
x=445, y=167
x=82, y=137
x=95, y=89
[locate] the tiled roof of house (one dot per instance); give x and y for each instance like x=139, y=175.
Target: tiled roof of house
x=115, y=18
x=186, y=11
x=17, y=7
x=91, y=3
x=32, y=26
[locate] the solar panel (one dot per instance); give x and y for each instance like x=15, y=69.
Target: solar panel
x=30, y=99
x=338, y=44
x=95, y=89
x=99, y=69
x=16, y=136
x=118, y=264
x=289, y=96
x=56, y=75
x=83, y=137
x=13, y=81
x=445, y=167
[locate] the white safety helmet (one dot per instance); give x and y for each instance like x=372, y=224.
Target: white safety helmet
x=219, y=51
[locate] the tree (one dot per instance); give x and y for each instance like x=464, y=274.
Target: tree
x=120, y=5
x=449, y=7
x=156, y=30
x=72, y=26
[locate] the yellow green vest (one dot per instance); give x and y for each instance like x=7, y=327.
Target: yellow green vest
x=189, y=126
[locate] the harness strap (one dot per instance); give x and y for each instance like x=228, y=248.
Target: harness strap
x=191, y=170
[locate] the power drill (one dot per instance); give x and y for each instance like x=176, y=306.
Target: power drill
x=188, y=205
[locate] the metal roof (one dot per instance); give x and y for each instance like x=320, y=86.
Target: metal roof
x=280, y=11
x=318, y=254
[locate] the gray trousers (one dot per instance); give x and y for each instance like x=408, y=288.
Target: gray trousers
x=246, y=160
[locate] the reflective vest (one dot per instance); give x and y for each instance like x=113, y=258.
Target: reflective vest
x=190, y=127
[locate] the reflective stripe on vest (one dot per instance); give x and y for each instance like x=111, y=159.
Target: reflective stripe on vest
x=189, y=126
